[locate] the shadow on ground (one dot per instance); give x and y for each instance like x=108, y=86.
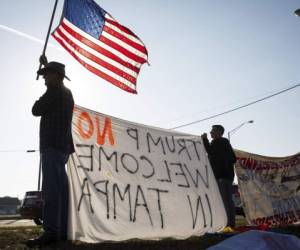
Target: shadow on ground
x=13, y=238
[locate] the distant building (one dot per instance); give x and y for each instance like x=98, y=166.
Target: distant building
x=9, y=205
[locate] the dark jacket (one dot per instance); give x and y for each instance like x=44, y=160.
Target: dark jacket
x=56, y=109
x=221, y=157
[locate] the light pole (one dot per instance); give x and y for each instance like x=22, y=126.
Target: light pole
x=238, y=127
x=40, y=167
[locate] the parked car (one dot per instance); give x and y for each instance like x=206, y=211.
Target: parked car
x=32, y=206
x=237, y=200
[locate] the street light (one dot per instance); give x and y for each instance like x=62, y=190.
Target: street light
x=297, y=12
x=238, y=127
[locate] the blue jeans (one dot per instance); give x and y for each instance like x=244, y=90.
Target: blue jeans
x=225, y=187
x=55, y=193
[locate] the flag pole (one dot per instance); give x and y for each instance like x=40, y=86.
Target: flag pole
x=47, y=38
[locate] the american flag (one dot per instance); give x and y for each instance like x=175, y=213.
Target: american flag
x=100, y=43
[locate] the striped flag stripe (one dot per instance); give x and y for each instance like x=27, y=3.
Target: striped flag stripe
x=112, y=21
x=122, y=47
x=94, y=67
x=129, y=88
x=132, y=38
x=94, y=43
x=113, y=25
x=91, y=55
x=113, y=58
x=74, y=42
x=125, y=39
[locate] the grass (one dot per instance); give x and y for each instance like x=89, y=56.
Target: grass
x=13, y=238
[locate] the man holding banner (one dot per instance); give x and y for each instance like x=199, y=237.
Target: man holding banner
x=222, y=158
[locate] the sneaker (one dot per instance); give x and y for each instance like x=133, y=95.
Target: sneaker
x=228, y=230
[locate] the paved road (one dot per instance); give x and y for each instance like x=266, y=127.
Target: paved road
x=16, y=223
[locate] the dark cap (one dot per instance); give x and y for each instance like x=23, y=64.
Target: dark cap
x=56, y=66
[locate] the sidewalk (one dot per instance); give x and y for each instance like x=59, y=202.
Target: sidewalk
x=14, y=221
x=10, y=217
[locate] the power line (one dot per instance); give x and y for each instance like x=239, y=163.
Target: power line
x=239, y=107
x=19, y=150
x=211, y=109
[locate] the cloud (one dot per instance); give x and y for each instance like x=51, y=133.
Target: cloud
x=32, y=38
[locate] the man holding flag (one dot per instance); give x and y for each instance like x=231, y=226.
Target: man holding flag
x=55, y=108
x=104, y=47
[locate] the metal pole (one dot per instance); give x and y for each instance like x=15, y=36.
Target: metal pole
x=48, y=33
x=40, y=171
x=40, y=166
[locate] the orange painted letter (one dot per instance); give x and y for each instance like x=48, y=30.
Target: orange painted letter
x=106, y=131
x=84, y=116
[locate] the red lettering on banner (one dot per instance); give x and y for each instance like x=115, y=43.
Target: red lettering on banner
x=84, y=117
x=106, y=131
x=289, y=217
x=259, y=165
x=87, y=131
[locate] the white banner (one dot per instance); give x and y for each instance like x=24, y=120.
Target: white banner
x=270, y=188
x=133, y=181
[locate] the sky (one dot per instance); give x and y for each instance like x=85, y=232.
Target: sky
x=206, y=57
